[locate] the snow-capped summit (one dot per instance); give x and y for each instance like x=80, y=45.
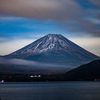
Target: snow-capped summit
x=46, y=43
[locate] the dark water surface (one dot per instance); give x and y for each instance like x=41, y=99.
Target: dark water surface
x=50, y=91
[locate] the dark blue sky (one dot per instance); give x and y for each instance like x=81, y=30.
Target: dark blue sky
x=18, y=27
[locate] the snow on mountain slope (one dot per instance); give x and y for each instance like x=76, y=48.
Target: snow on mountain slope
x=46, y=43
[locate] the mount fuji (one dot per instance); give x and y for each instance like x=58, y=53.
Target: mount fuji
x=54, y=49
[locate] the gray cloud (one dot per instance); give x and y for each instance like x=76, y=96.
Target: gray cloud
x=66, y=12
x=41, y=9
x=4, y=38
x=95, y=2
x=27, y=63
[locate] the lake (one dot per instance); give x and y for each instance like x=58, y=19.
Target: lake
x=69, y=90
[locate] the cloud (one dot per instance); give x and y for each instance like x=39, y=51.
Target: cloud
x=41, y=9
x=4, y=38
x=90, y=44
x=13, y=45
x=95, y=2
x=27, y=63
x=66, y=12
x=6, y=18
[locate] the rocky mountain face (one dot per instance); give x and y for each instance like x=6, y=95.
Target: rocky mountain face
x=54, y=50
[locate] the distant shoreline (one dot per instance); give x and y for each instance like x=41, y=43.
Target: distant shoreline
x=37, y=78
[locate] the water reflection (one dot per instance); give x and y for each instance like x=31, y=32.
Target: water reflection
x=50, y=91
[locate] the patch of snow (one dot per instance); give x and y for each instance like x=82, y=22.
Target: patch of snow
x=37, y=45
x=50, y=38
x=43, y=50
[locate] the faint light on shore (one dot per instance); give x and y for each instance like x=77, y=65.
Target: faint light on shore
x=35, y=76
x=31, y=76
x=39, y=75
x=2, y=81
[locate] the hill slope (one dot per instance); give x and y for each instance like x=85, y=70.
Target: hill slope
x=88, y=71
